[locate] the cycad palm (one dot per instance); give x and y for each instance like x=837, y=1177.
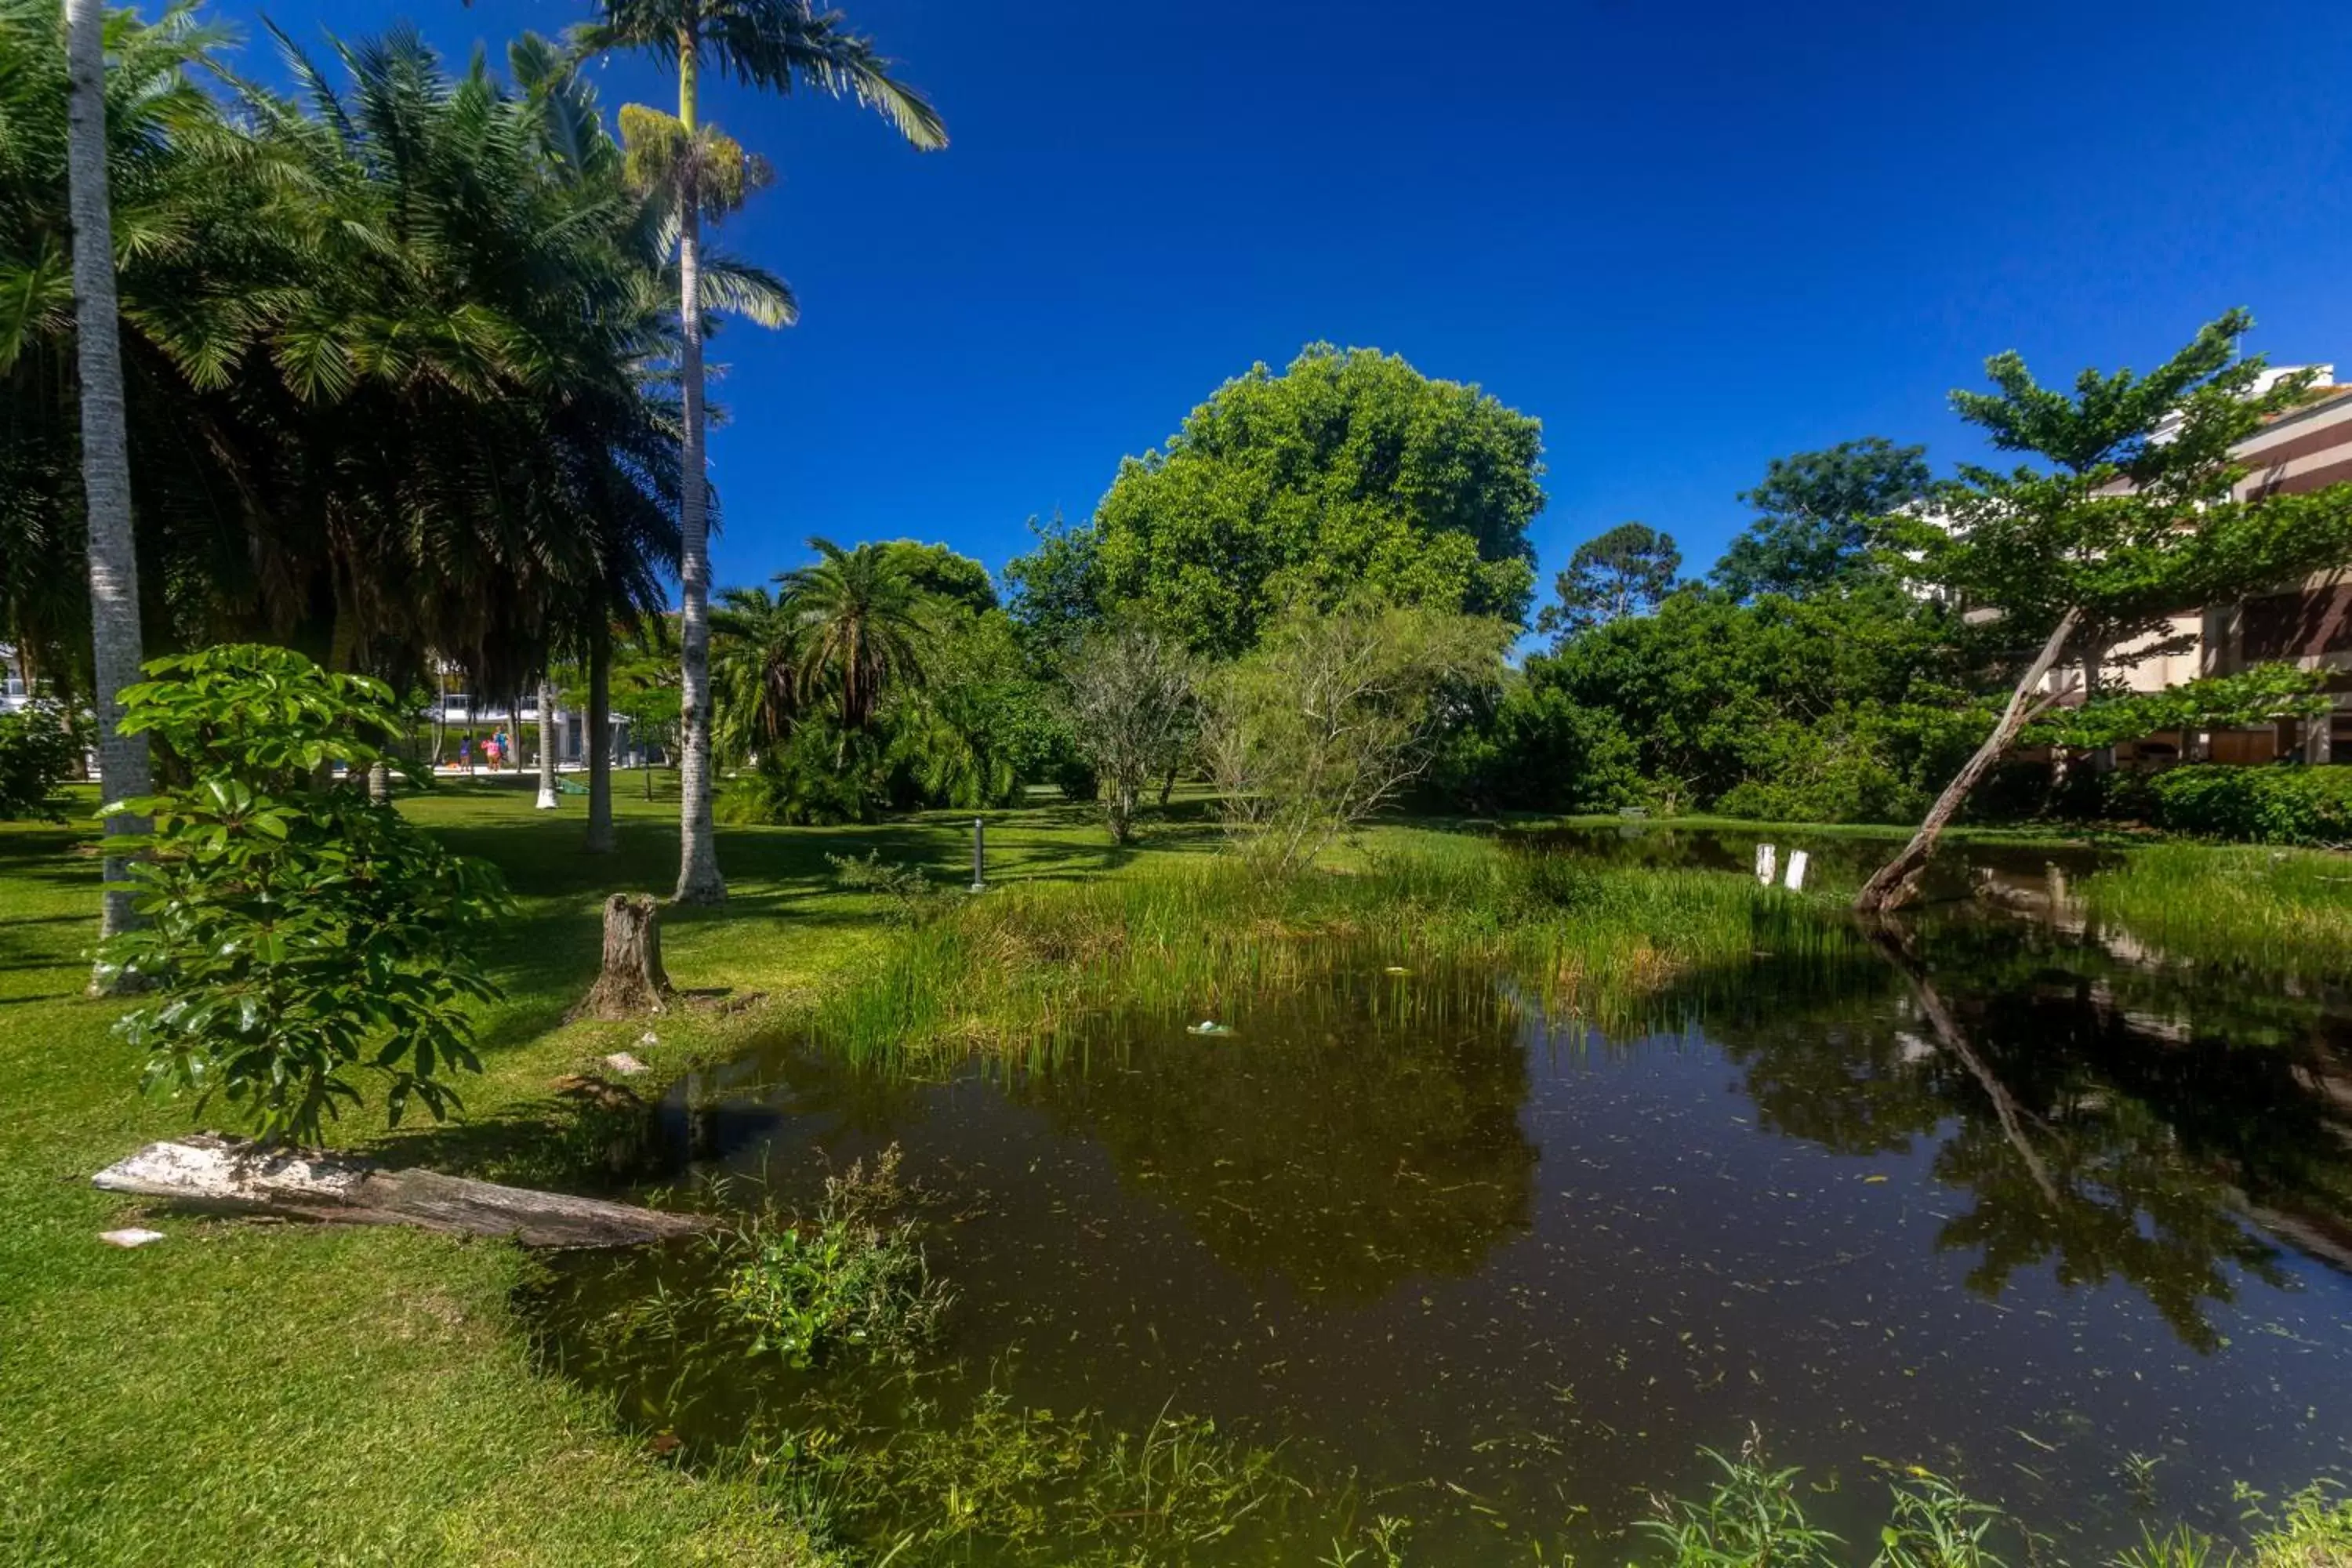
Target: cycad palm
x=863, y=626
x=775, y=46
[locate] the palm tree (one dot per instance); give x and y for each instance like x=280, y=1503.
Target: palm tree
x=105, y=440
x=755, y=654
x=863, y=624
x=776, y=45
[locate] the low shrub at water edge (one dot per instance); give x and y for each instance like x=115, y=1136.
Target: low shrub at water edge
x=2284, y=804
x=1018, y=965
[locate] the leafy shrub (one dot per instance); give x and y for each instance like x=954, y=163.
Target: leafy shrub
x=38, y=747
x=857, y=1276
x=1540, y=751
x=909, y=890
x=818, y=777
x=1838, y=770
x=2287, y=803
x=295, y=932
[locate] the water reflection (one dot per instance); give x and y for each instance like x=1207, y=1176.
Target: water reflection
x=2000, y=1196
x=1344, y=1139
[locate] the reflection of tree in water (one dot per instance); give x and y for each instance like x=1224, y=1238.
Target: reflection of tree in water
x=1344, y=1139
x=2097, y=1115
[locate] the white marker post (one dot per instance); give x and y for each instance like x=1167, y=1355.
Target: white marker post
x=979, y=855
x=1798, y=860
x=1767, y=863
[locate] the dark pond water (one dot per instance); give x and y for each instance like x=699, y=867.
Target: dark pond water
x=2027, y=1209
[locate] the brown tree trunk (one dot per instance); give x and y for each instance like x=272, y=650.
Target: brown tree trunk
x=632, y=981
x=1955, y=1039
x=1898, y=880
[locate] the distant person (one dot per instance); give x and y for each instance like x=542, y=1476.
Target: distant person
x=466, y=753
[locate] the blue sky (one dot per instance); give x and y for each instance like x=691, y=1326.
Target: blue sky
x=1687, y=237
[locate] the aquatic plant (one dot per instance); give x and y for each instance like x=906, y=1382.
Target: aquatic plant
x=854, y=1277
x=1749, y=1518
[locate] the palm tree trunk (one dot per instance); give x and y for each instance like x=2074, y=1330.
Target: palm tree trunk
x=116, y=649
x=699, y=881
x=1896, y=880
x=599, y=742
x=547, y=799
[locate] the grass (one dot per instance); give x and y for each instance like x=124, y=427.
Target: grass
x=1018, y=972
x=2233, y=904
x=251, y=1395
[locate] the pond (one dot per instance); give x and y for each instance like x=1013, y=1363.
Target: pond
x=2020, y=1204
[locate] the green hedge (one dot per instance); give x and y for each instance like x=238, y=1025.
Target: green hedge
x=2286, y=803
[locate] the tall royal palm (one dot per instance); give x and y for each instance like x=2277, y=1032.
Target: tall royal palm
x=105, y=434
x=776, y=45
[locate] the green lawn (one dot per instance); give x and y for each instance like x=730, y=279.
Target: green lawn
x=248, y=1393
x=242, y=1394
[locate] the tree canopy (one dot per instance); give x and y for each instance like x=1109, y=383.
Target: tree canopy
x=1818, y=516
x=1620, y=572
x=1348, y=472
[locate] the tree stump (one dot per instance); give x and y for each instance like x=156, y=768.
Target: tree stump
x=632, y=981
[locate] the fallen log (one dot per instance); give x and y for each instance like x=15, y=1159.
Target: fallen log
x=222, y=1175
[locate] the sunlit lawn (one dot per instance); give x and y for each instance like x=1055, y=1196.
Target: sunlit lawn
x=241, y=1393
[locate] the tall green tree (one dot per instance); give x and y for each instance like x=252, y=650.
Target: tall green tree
x=1349, y=472
x=1055, y=590
x=2122, y=515
x=1624, y=572
x=773, y=45
x=1818, y=517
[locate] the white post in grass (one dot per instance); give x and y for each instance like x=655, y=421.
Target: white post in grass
x=979, y=855
x=1798, y=860
x=1767, y=863
x=547, y=801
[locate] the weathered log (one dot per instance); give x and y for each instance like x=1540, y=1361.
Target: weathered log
x=219, y=1175
x=632, y=981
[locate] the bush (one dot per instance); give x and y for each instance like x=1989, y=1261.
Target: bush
x=37, y=748
x=1540, y=751
x=295, y=932
x=2286, y=803
x=1840, y=769
x=818, y=777
x=855, y=1279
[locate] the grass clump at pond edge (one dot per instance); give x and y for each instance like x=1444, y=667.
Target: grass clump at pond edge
x=2272, y=909
x=1014, y=971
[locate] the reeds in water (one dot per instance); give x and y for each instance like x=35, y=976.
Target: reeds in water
x=1016, y=970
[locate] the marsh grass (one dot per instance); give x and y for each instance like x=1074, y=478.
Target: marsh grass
x=1016, y=970
x=2275, y=910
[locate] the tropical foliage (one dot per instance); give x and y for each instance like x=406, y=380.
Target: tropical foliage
x=394, y=370
x=38, y=750
x=297, y=935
